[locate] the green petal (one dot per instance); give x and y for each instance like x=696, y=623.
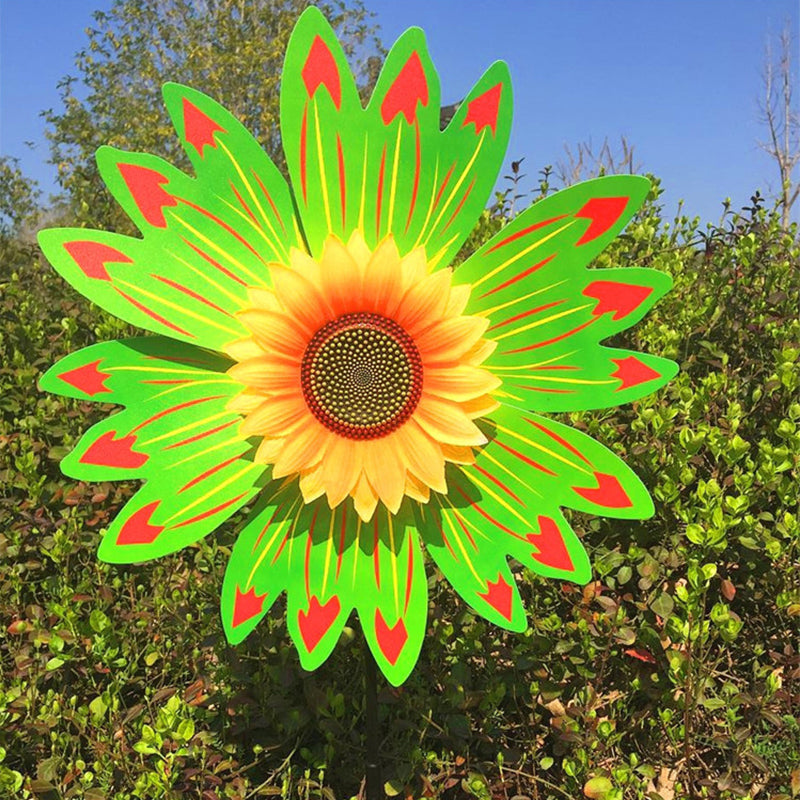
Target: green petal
x=472, y=556
x=540, y=458
x=468, y=160
x=321, y=115
x=548, y=312
x=330, y=563
x=392, y=591
x=508, y=504
x=388, y=169
x=205, y=239
x=258, y=570
x=176, y=434
x=227, y=157
x=135, y=370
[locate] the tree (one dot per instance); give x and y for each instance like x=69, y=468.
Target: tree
x=230, y=49
x=779, y=114
x=19, y=209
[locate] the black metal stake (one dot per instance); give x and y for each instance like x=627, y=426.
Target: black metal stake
x=374, y=782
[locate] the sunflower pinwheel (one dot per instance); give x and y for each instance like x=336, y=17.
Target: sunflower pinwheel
x=316, y=356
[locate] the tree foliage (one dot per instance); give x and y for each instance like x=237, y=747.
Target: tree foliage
x=19, y=198
x=230, y=49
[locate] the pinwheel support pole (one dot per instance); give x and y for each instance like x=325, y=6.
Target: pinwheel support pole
x=374, y=781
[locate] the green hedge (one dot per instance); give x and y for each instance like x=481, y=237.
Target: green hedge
x=675, y=674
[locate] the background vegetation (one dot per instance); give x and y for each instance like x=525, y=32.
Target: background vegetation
x=674, y=674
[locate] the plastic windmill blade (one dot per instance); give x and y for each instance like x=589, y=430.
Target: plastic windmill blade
x=314, y=354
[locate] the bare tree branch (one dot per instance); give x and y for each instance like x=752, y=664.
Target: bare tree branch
x=779, y=114
x=583, y=163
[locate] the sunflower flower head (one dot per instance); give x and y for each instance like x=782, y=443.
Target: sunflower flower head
x=316, y=357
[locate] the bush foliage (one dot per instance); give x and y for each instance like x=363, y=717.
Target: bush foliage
x=674, y=674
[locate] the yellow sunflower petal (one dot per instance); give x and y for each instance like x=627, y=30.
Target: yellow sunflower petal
x=459, y=383
x=383, y=280
x=415, y=267
x=268, y=451
x=263, y=298
x=423, y=455
x=301, y=298
x=457, y=302
x=341, y=468
x=276, y=416
x=457, y=454
x=341, y=278
x=302, y=263
x=365, y=499
x=311, y=483
x=267, y=375
x=446, y=422
x=417, y=490
x=480, y=406
x=479, y=352
x=385, y=470
x=242, y=349
x=424, y=303
x=358, y=249
x=275, y=331
x=302, y=450
x=448, y=340
x=245, y=402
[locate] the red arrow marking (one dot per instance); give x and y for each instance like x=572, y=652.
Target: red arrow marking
x=316, y=622
x=621, y=298
x=199, y=128
x=632, y=372
x=608, y=492
x=390, y=640
x=409, y=89
x=603, y=213
x=552, y=551
x=137, y=528
x=320, y=70
x=482, y=111
x=88, y=378
x=247, y=605
x=499, y=596
x=92, y=258
x=146, y=188
x=110, y=452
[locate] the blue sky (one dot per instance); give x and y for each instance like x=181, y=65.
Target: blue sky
x=679, y=78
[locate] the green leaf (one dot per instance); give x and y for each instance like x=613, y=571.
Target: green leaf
x=98, y=707
x=663, y=605
x=597, y=788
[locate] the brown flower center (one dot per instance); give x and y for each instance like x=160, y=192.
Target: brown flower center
x=361, y=376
